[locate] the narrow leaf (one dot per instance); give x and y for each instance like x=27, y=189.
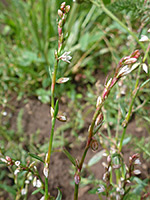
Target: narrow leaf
x=59, y=196
x=8, y=189
x=56, y=109
x=36, y=157
x=38, y=190
x=96, y=158
x=72, y=159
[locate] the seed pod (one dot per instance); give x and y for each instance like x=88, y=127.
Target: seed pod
x=62, y=118
x=94, y=145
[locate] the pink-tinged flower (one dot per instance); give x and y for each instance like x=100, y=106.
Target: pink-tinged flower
x=144, y=38
x=101, y=189
x=65, y=57
x=127, y=70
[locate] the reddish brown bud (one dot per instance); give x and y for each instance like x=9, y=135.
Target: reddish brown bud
x=77, y=178
x=135, y=54
x=63, y=5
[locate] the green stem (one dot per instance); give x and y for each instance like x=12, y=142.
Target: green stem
x=46, y=188
x=76, y=191
x=130, y=109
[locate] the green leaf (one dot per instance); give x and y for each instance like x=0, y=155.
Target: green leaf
x=96, y=158
x=126, y=140
x=56, y=108
x=84, y=41
x=72, y=159
x=59, y=196
x=36, y=157
x=38, y=190
x=145, y=82
x=9, y=189
x=43, y=95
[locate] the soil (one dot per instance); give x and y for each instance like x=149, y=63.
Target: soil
x=36, y=116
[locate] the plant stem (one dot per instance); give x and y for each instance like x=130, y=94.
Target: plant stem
x=53, y=126
x=130, y=109
x=76, y=191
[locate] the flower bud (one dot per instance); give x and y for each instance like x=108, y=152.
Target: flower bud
x=135, y=54
x=62, y=7
x=77, y=178
x=106, y=176
x=144, y=38
x=136, y=172
x=99, y=101
x=46, y=171
x=60, y=13
x=67, y=9
x=8, y=159
x=130, y=61
x=62, y=80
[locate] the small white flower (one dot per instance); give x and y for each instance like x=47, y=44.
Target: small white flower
x=23, y=191
x=145, y=67
x=27, y=182
x=148, y=30
x=42, y=198
x=137, y=162
x=45, y=171
x=120, y=190
x=144, y=38
x=38, y=183
x=65, y=57
x=4, y=113
x=35, y=168
x=137, y=172
x=16, y=172
x=101, y=189
x=17, y=163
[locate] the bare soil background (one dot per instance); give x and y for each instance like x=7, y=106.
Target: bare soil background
x=36, y=116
